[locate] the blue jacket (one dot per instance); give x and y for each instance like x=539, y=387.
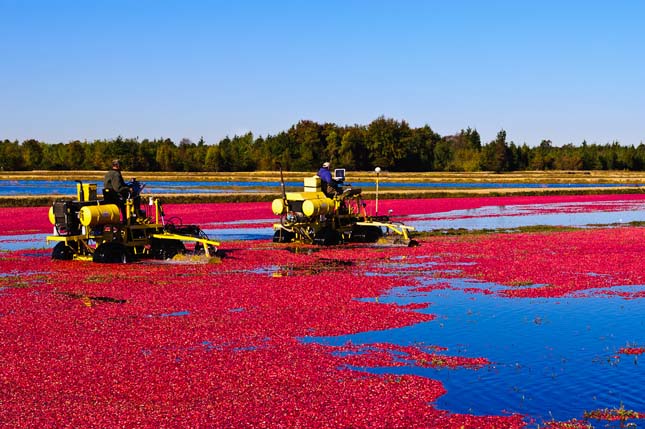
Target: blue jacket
x=325, y=175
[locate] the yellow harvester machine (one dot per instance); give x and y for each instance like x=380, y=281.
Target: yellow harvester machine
x=313, y=217
x=91, y=229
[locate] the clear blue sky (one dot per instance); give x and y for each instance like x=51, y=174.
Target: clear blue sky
x=560, y=70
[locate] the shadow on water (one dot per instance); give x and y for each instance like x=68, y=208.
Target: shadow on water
x=551, y=358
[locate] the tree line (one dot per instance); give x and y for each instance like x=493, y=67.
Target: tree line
x=387, y=143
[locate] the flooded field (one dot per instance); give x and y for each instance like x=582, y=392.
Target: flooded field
x=68, y=187
x=505, y=329
x=485, y=214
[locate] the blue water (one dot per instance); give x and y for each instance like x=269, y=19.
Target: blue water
x=515, y=216
x=240, y=234
x=552, y=358
x=68, y=187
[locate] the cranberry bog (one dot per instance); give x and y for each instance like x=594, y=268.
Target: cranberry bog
x=487, y=324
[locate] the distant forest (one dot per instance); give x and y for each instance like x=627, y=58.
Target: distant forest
x=387, y=143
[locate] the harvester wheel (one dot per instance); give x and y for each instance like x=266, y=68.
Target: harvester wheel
x=366, y=234
x=327, y=237
x=111, y=253
x=283, y=236
x=166, y=249
x=62, y=252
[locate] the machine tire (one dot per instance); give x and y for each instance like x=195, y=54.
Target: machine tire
x=166, y=249
x=283, y=236
x=327, y=237
x=62, y=252
x=366, y=234
x=112, y=253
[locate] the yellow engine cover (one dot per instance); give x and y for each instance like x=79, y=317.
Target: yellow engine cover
x=278, y=207
x=52, y=218
x=99, y=215
x=318, y=206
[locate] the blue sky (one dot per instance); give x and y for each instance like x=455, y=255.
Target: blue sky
x=567, y=71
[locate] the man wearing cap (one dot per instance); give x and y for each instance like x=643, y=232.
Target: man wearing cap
x=115, y=190
x=328, y=184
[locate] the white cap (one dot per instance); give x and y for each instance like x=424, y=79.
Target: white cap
x=326, y=164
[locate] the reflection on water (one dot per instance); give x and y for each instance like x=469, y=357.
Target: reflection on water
x=552, y=358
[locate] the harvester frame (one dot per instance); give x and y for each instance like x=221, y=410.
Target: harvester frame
x=92, y=229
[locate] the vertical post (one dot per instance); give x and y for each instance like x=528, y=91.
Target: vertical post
x=377, y=170
x=284, y=193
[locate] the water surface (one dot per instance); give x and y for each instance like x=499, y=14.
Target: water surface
x=68, y=187
x=551, y=357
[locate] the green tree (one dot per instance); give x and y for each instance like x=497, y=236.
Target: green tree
x=418, y=146
x=32, y=154
x=333, y=144
x=386, y=140
x=311, y=145
x=542, y=157
x=74, y=156
x=567, y=158
x=10, y=156
x=281, y=148
x=236, y=154
x=189, y=156
x=242, y=152
x=145, y=159
x=443, y=155
x=122, y=149
x=213, y=160
x=496, y=155
x=165, y=156
x=353, y=153
x=639, y=164
x=465, y=151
